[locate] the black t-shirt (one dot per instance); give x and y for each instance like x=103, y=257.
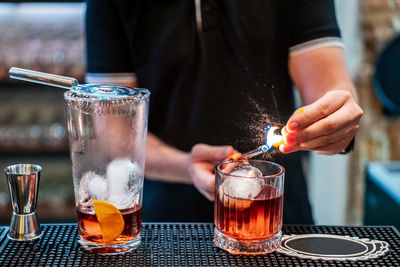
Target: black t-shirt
x=217, y=75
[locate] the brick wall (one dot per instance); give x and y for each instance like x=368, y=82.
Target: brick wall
x=379, y=135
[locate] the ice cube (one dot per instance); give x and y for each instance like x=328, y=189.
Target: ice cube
x=246, y=171
x=98, y=187
x=119, y=173
x=243, y=188
x=123, y=201
x=124, y=179
x=91, y=186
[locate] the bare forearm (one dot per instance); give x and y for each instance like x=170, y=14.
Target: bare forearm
x=330, y=116
x=165, y=163
x=319, y=71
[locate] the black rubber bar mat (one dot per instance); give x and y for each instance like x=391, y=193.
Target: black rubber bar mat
x=178, y=244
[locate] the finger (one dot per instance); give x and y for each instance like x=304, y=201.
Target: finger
x=347, y=132
x=333, y=149
x=211, y=153
x=286, y=149
x=299, y=111
x=346, y=116
x=209, y=195
x=205, y=182
x=326, y=105
x=328, y=149
x=284, y=131
x=327, y=145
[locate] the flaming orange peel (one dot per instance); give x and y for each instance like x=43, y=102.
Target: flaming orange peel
x=278, y=144
x=235, y=156
x=110, y=220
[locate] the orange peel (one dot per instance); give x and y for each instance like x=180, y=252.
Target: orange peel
x=278, y=144
x=235, y=156
x=110, y=220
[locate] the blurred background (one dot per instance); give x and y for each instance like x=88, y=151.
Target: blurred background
x=356, y=189
x=48, y=37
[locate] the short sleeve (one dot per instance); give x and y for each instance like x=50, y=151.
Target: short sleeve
x=311, y=20
x=107, y=44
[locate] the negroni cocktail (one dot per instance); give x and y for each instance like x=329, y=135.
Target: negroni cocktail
x=248, y=206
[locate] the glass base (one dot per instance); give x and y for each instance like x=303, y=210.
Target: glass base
x=252, y=247
x=110, y=249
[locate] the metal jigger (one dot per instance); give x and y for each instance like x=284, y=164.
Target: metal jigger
x=23, y=184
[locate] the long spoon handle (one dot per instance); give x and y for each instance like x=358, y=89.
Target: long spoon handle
x=42, y=78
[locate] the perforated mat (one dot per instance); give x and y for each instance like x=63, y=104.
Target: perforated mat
x=178, y=245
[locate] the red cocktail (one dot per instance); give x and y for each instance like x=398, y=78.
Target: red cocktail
x=248, y=206
x=90, y=229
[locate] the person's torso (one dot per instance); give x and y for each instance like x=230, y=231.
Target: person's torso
x=218, y=79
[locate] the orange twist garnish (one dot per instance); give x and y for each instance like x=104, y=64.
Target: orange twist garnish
x=278, y=144
x=110, y=220
x=235, y=156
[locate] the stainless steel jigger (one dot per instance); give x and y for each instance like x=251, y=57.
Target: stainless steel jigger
x=23, y=184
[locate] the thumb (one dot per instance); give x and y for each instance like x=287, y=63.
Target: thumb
x=203, y=152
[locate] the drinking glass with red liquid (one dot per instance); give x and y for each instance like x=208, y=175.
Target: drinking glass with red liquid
x=248, y=206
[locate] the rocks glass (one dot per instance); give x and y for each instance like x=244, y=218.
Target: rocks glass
x=248, y=206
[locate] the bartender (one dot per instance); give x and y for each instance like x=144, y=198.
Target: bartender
x=218, y=72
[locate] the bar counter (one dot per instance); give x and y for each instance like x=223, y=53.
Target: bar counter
x=179, y=244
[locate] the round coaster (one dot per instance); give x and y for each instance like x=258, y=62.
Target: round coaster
x=332, y=247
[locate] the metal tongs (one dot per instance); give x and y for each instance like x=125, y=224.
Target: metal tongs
x=274, y=139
